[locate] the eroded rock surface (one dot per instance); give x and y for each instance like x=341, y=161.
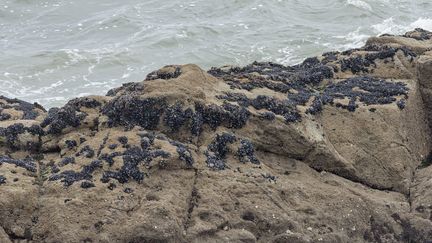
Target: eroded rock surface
x=335, y=149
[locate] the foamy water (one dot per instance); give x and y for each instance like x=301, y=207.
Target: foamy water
x=52, y=50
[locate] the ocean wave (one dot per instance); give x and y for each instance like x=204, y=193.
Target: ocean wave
x=389, y=26
x=358, y=37
x=287, y=56
x=359, y=4
x=424, y=23
x=353, y=39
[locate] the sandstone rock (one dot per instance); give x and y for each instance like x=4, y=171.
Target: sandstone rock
x=4, y=237
x=335, y=149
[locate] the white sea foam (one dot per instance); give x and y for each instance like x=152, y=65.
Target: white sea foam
x=358, y=37
x=359, y=4
x=353, y=39
x=390, y=26
x=287, y=56
x=44, y=90
x=425, y=23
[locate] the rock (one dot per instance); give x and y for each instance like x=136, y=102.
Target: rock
x=335, y=149
x=424, y=77
x=4, y=237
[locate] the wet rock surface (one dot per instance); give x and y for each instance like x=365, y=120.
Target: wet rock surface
x=335, y=149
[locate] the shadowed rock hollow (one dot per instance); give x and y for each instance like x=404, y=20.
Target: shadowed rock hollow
x=335, y=149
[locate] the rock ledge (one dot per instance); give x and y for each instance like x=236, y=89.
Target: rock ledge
x=335, y=149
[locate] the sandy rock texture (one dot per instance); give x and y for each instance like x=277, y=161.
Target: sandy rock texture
x=335, y=149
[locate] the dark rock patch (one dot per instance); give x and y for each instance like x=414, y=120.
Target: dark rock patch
x=370, y=91
x=128, y=190
x=183, y=152
x=419, y=34
x=70, y=144
x=66, y=161
x=355, y=64
x=132, y=158
x=311, y=71
x=129, y=111
x=168, y=72
x=382, y=54
x=127, y=87
x=26, y=163
x=236, y=116
x=401, y=104
x=28, y=109
x=11, y=134
x=60, y=118
x=4, y=116
x=54, y=169
x=109, y=158
x=175, y=117
x=111, y=186
x=218, y=149
x=268, y=115
x=86, y=152
x=86, y=102
x=269, y=177
x=112, y=146
x=426, y=162
x=69, y=177
x=246, y=152
x=284, y=108
x=87, y=184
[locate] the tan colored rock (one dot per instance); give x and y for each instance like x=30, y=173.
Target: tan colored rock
x=384, y=145
x=334, y=149
x=424, y=76
x=3, y=236
x=418, y=46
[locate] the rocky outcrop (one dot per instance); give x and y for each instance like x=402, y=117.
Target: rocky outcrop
x=335, y=149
